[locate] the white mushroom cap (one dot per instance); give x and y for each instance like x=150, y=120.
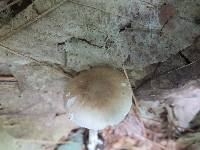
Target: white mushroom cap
x=98, y=97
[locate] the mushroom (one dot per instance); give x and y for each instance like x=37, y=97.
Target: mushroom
x=98, y=97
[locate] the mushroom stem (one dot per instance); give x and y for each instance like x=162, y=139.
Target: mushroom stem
x=93, y=140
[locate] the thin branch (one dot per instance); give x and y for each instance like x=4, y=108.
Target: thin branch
x=31, y=21
x=7, y=79
x=136, y=106
x=9, y=5
x=99, y=9
x=19, y=112
x=168, y=72
x=16, y=52
x=134, y=98
x=54, y=66
x=180, y=68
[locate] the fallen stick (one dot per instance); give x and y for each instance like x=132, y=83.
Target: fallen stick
x=7, y=79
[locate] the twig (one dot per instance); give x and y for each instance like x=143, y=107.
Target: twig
x=99, y=9
x=107, y=12
x=179, y=68
x=136, y=106
x=55, y=66
x=16, y=52
x=134, y=98
x=9, y=5
x=167, y=72
x=31, y=21
x=7, y=79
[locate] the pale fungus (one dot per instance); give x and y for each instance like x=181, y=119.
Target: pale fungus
x=98, y=97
